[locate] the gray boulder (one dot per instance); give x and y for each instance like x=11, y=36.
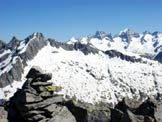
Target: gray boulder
x=130, y=117
x=63, y=116
x=99, y=116
x=158, y=112
x=53, y=108
x=34, y=72
x=37, y=74
x=3, y=115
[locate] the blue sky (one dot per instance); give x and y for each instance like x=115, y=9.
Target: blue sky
x=62, y=19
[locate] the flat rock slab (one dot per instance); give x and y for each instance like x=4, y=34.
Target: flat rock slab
x=39, y=83
x=44, y=103
x=158, y=112
x=63, y=116
x=3, y=115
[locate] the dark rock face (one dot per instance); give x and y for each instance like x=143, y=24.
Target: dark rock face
x=14, y=74
x=35, y=42
x=36, y=101
x=86, y=49
x=17, y=70
x=56, y=44
x=114, y=53
x=13, y=43
x=79, y=112
x=5, y=79
x=101, y=35
x=158, y=57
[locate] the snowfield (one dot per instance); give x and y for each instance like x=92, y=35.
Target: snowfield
x=95, y=78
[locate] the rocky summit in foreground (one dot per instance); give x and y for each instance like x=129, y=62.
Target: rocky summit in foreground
x=37, y=101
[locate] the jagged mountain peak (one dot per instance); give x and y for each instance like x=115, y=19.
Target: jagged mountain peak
x=33, y=43
x=14, y=38
x=147, y=32
x=35, y=35
x=124, y=31
x=13, y=43
x=127, y=32
x=2, y=44
x=101, y=35
x=38, y=34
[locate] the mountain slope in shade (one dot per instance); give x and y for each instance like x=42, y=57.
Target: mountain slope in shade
x=92, y=69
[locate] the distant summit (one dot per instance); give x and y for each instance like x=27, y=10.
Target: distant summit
x=101, y=35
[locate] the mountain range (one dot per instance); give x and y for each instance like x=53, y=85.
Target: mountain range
x=93, y=69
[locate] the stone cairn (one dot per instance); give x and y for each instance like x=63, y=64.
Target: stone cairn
x=36, y=101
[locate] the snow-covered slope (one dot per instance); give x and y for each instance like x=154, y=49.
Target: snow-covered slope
x=94, y=78
x=87, y=70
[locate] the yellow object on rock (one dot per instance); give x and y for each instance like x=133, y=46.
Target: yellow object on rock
x=51, y=88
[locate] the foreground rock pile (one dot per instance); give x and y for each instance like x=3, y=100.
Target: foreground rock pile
x=37, y=101
x=137, y=111
x=125, y=111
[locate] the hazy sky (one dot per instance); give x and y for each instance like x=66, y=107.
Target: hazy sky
x=62, y=19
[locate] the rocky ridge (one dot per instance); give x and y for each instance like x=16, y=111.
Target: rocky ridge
x=145, y=44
